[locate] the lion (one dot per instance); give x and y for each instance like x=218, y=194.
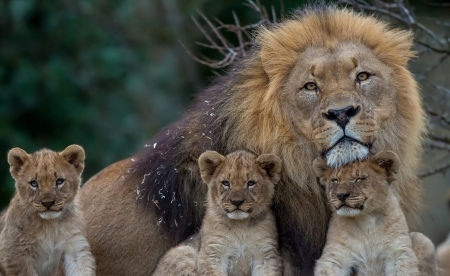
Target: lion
x=368, y=233
x=43, y=223
x=238, y=234
x=325, y=81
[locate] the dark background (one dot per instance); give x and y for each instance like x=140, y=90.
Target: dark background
x=108, y=74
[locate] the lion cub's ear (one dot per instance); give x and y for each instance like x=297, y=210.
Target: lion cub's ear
x=388, y=161
x=74, y=154
x=320, y=166
x=17, y=157
x=271, y=164
x=208, y=162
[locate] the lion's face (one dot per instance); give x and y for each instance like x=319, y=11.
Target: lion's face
x=341, y=97
x=47, y=180
x=241, y=184
x=360, y=186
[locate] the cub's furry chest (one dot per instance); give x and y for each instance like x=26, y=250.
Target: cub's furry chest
x=240, y=247
x=51, y=243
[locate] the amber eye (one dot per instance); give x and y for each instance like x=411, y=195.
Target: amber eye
x=33, y=183
x=251, y=183
x=59, y=181
x=311, y=86
x=362, y=76
x=226, y=184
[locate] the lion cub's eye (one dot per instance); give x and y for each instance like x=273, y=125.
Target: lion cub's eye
x=33, y=183
x=311, y=86
x=59, y=181
x=251, y=183
x=226, y=184
x=362, y=76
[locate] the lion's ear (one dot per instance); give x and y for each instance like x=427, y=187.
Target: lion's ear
x=208, y=162
x=271, y=164
x=389, y=162
x=17, y=157
x=320, y=166
x=74, y=154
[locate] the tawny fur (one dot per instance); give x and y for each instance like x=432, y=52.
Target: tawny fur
x=443, y=250
x=36, y=237
x=154, y=201
x=368, y=233
x=237, y=238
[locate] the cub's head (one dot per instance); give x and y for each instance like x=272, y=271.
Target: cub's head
x=241, y=184
x=47, y=180
x=360, y=186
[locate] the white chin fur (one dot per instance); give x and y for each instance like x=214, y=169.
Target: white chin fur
x=238, y=215
x=345, y=211
x=50, y=215
x=346, y=152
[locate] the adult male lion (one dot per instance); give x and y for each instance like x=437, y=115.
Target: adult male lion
x=326, y=81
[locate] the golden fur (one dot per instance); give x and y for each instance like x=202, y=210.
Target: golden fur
x=443, y=250
x=265, y=105
x=368, y=233
x=238, y=234
x=43, y=224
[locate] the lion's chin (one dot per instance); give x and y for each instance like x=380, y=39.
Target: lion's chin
x=346, y=211
x=50, y=214
x=346, y=152
x=238, y=215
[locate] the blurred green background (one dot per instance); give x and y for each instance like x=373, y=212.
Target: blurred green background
x=107, y=75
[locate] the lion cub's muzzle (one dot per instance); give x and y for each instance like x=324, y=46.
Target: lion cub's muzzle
x=48, y=208
x=346, y=205
x=237, y=207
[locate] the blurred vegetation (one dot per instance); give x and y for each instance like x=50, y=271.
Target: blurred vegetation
x=102, y=74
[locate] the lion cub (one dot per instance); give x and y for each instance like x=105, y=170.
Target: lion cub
x=368, y=234
x=43, y=222
x=238, y=234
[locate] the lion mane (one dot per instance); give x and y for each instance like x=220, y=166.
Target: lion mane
x=244, y=110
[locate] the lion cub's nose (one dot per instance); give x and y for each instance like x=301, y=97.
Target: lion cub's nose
x=237, y=202
x=48, y=204
x=342, y=197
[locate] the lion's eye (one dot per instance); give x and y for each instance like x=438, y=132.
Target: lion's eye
x=33, y=183
x=362, y=76
x=311, y=86
x=226, y=184
x=251, y=183
x=334, y=180
x=358, y=180
x=59, y=181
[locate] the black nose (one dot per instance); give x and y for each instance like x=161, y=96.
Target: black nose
x=48, y=204
x=342, y=116
x=237, y=202
x=342, y=197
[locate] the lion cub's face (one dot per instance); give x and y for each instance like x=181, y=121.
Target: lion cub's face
x=240, y=184
x=358, y=187
x=47, y=180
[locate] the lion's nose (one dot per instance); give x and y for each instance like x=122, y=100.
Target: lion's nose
x=237, y=202
x=48, y=204
x=342, y=116
x=342, y=197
